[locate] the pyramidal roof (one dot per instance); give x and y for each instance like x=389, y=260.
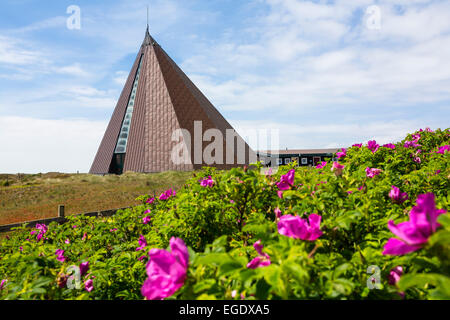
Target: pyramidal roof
x=157, y=99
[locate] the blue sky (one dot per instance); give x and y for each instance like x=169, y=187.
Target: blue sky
x=314, y=70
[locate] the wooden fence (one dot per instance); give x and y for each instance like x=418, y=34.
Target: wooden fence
x=61, y=218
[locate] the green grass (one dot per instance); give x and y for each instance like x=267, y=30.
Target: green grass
x=37, y=196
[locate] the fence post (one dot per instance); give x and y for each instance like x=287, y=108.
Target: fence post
x=61, y=211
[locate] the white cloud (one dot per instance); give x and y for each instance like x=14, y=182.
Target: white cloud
x=313, y=136
x=15, y=52
x=72, y=70
x=306, y=55
x=120, y=77
x=36, y=145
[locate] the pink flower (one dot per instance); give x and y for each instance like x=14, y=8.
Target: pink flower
x=84, y=236
x=342, y=153
x=414, y=233
x=262, y=260
x=357, y=145
x=150, y=200
x=373, y=146
x=337, y=168
x=297, y=228
x=74, y=226
x=207, y=182
x=60, y=255
x=113, y=230
x=167, y=194
x=142, y=243
x=67, y=241
x=146, y=219
x=269, y=172
x=409, y=144
x=389, y=145
x=397, y=196
x=395, y=274
x=42, y=230
x=286, y=181
x=2, y=284
x=280, y=194
x=89, y=285
x=277, y=212
x=321, y=165
x=372, y=172
x=443, y=149
x=84, y=267
x=166, y=270
x=231, y=201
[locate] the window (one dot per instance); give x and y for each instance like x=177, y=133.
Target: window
x=121, y=144
x=304, y=160
x=280, y=161
x=287, y=160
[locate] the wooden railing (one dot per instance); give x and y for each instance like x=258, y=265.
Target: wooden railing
x=61, y=218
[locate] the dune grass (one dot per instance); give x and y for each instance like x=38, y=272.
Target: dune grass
x=37, y=196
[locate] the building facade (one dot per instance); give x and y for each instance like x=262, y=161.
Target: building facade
x=303, y=157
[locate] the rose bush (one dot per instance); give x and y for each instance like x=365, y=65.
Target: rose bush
x=300, y=233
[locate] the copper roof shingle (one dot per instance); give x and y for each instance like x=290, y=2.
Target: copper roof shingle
x=166, y=100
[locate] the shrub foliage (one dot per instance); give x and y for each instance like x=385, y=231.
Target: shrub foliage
x=221, y=218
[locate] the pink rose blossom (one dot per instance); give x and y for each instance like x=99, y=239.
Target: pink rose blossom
x=142, y=243
x=166, y=270
x=414, y=234
x=397, y=196
x=89, y=285
x=443, y=149
x=84, y=267
x=357, y=145
x=321, y=165
x=297, y=228
x=337, y=168
x=167, y=194
x=262, y=260
x=286, y=181
x=372, y=172
x=342, y=153
x=2, y=284
x=373, y=146
x=207, y=182
x=395, y=274
x=150, y=200
x=389, y=145
x=146, y=219
x=60, y=255
x=277, y=212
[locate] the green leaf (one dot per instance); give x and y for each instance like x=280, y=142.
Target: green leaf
x=444, y=220
x=204, y=285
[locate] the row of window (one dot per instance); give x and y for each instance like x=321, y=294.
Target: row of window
x=121, y=146
x=314, y=160
x=281, y=161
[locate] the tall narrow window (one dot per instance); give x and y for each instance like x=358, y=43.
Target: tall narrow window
x=121, y=144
